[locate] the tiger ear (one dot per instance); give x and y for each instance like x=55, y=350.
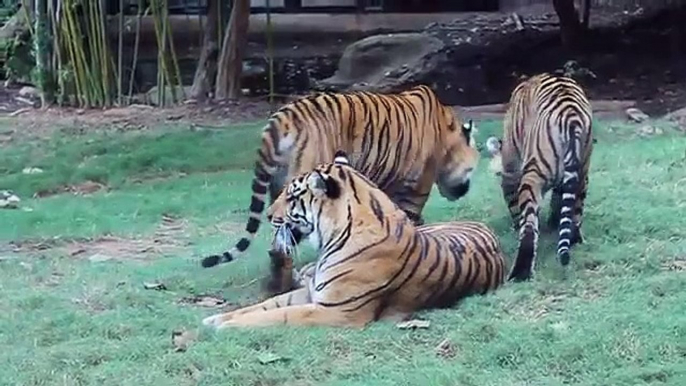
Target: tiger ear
x=323, y=186
x=341, y=158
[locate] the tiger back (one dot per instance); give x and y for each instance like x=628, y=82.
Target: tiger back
x=373, y=263
x=547, y=145
x=403, y=142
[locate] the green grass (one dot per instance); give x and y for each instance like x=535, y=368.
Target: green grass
x=618, y=317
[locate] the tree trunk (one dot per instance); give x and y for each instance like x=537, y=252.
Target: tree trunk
x=42, y=52
x=570, y=27
x=231, y=57
x=206, y=71
x=586, y=12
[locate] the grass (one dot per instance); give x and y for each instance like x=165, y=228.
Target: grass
x=618, y=317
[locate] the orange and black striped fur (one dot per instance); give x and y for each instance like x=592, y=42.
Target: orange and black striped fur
x=403, y=142
x=373, y=263
x=547, y=145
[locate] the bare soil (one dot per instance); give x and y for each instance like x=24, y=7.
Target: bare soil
x=170, y=236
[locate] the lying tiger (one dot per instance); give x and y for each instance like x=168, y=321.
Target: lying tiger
x=403, y=142
x=373, y=263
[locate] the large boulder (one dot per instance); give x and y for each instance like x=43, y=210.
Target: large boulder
x=383, y=62
x=456, y=60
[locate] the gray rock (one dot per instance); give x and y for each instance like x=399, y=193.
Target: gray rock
x=382, y=61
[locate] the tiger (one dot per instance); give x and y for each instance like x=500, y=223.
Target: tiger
x=373, y=262
x=547, y=145
x=404, y=142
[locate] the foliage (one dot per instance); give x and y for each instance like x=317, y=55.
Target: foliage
x=618, y=317
x=20, y=61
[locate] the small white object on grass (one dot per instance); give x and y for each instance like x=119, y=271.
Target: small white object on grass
x=8, y=200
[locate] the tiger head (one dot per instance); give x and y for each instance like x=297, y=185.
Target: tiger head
x=459, y=157
x=325, y=200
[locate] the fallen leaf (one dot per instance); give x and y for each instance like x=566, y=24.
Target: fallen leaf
x=155, y=286
x=204, y=301
x=446, y=349
x=266, y=358
x=181, y=339
x=413, y=324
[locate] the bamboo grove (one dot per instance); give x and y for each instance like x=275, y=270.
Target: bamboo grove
x=78, y=64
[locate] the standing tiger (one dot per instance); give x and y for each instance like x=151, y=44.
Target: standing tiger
x=547, y=144
x=403, y=142
x=373, y=263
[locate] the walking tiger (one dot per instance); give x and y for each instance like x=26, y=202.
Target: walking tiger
x=403, y=142
x=547, y=144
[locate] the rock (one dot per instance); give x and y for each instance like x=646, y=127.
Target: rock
x=151, y=95
x=30, y=170
x=29, y=92
x=648, y=130
x=367, y=63
x=636, y=115
x=493, y=145
x=678, y=117
x=9, y=200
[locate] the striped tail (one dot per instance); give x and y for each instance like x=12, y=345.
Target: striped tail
x=570, y=187
x=269, y=157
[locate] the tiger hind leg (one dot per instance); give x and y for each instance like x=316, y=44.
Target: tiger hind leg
x=529, y=195
x=555, y=209
x=509, y=184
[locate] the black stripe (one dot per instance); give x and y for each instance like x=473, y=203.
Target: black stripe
x=252, y=225
x=256, y=205
x=242, y=245
x=258, y=188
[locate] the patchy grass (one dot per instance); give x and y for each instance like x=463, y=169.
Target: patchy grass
x=617, y=317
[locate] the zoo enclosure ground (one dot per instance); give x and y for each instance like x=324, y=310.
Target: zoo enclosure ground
x=74, y=264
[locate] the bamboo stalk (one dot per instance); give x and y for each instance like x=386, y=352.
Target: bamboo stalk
x=136, y=44
x=270, y=54
x=120, y=55
x=176, y=80
x=161, y=35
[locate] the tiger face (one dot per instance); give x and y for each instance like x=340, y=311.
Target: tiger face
x=460, y=158
x=308, y=196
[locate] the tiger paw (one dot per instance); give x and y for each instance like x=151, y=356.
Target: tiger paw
x=520, y=273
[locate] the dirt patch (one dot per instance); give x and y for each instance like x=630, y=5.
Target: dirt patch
x=81, y=189
x=73, y=121
x=169, y=237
